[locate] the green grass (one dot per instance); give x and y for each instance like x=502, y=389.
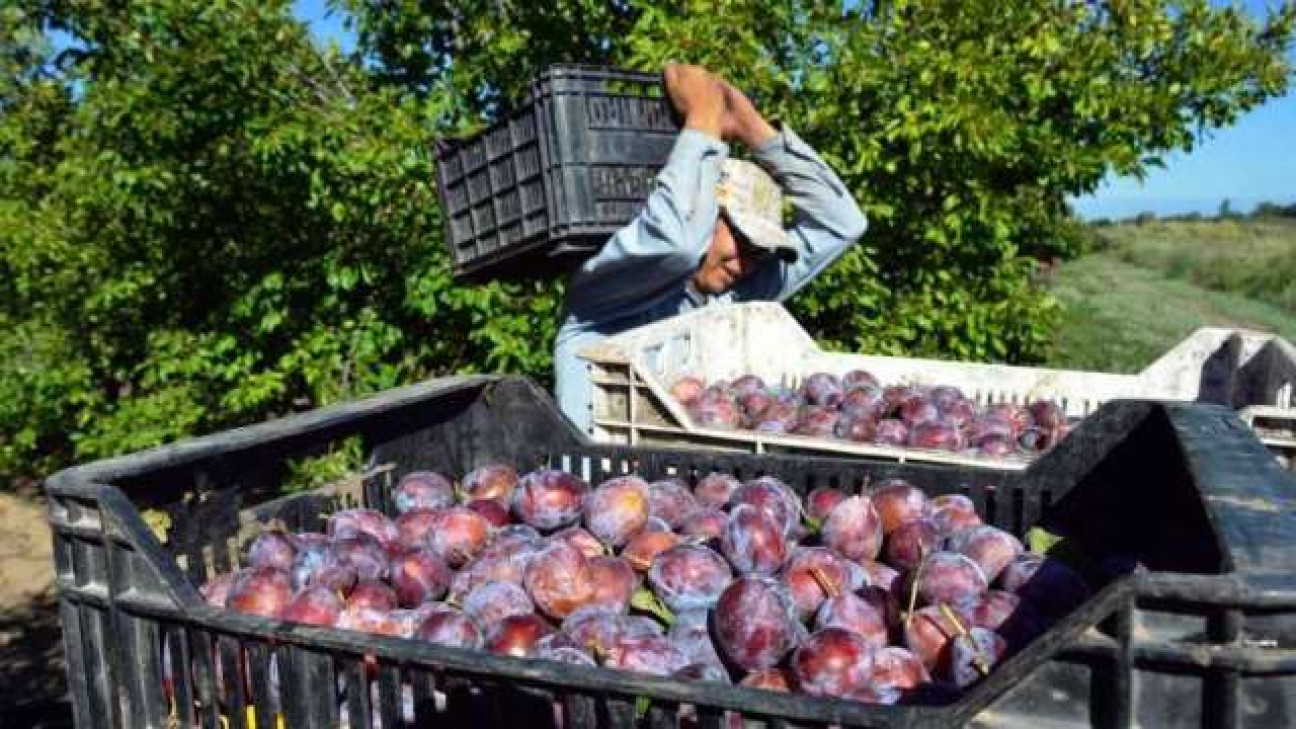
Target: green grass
x=1254, y=257
x=1120, y=317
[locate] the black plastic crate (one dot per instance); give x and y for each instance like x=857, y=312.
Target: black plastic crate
x=1200, y=634
x=553, y=181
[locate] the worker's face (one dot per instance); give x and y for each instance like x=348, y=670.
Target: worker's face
x=728, y=260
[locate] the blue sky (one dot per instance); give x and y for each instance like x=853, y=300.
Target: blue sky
x=1251, y=162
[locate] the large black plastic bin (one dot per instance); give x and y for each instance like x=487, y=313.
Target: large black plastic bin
x=552, y=182
x=1200, y=634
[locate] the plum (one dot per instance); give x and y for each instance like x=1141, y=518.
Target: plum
x=588, y=544
x=705, y=672
x=656, y=525
x=321, y=564
x=897, y=501
x=316, y=605
x=911, y=541
x=746, y=385
x=973, y=654
x=895, y=396
x=768, y=679
x=832, y=662
x=372, y=594
x=614, y=582
x=272, y=549
x=951, y=512
x=617, y=509
x=853, y=528
x=691, y=632
x=1034, y=440
x=957, y=412
x=1017, y=417
x=371, y=620
x=918, y=410
x=984, y=427
x=423, y=490
x=753, y=541
x=510, y=536
x=216, y=590
x=715, y=490
x=859, y=379
x=689, y=577
x=594, y=629
x=263, y=591
x=715, y=408
x=670, y=500
x=495, y=513
x=820, y=501
x=492, y=602
x=1051, y=587
x=1047, y=415
x=990, y=547
x=863, y=402
x=650, y=654
x=928, y=633
x=1005, y=613
x=687, y=389
x=558, y=647
x=754, y=406
x=350, y=522
x=883, y=576
x=414, y=526
x=857, y=429
x=449, y=628
x=755, y=623
x=774, y=497
x=811, y=575
x=848, y=611
x=822, y=389
x=549, y=499
x=817, y=422
x=559, y=580
x=778, y=419
x=891, y=432
x=704, y=525
x=949, y=577
x=936, y=435
x=516, y=635
x=645, y=546
x=419, y=576
x=895, y=667
x=997, y=447
x=496, y=482
x=369, y=558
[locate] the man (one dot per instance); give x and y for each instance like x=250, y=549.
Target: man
x=710, y=232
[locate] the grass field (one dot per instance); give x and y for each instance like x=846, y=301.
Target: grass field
x=1127, y=305
x=1252, y=257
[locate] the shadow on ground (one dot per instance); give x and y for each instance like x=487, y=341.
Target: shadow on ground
x=33, y=684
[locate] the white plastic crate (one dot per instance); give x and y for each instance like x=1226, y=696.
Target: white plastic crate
x=632, y=374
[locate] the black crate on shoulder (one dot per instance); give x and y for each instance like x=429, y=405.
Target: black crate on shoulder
x=549, y=184
x=1187, y=519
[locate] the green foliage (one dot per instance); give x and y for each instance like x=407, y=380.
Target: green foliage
x=207, y=219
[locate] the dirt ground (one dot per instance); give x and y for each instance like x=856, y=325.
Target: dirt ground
x=32, y=679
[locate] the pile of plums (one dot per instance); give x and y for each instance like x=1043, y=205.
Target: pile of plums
x=884, y=596
x=856, y=407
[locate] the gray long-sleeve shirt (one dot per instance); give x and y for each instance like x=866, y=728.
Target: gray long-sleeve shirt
x=643, y=273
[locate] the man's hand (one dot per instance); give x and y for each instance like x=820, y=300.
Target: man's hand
x=697, y=96
x=742, y=122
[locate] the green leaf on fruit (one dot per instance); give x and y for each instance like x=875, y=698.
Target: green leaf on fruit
x=813, y=526
x=1040, y=541
x=643, y=599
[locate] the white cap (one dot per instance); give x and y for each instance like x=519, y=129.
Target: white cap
x=753, y=203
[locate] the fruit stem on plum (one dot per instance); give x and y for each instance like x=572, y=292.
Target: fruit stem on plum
x=913, y=584
x=978, y=661
x=824, y=583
